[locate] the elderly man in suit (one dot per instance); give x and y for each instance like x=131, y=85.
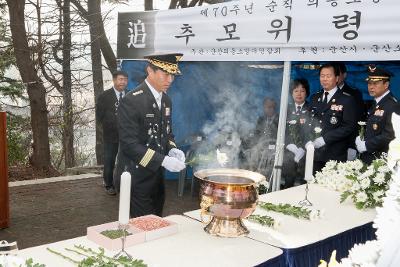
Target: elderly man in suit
x=147, y=145
x=106, y=114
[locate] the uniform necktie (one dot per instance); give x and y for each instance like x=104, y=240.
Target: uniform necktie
x=298, y=109
x=158, y=100
x=326, y=98
x=120, y=96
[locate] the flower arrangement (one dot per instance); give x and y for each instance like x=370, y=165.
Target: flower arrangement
x=264, y=220
x=97, y=258
x=369, y=185
x=294, y=129
x=295, y=211
x=365, y=185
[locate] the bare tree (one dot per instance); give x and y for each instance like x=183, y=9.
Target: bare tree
x=35, y=88
x=68, y=131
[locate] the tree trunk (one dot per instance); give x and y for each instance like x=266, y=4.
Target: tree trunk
x=35, y=87
x=95, y=48
x=68, y=129
x=148, y=4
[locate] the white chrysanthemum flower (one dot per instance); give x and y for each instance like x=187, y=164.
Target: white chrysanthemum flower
x=292, y=122
x=222, y=158
x=362, y=123
x=365, y=254
x=365, y=183
x=378, y=195
x=379, y=178
x=361, y=197
x=383, y=169
x=330, y=165
x=317, y=130
x=355, y=187
x=357, y=164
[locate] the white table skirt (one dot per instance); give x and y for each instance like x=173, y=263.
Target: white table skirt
x=294, y=233
x=191, y=246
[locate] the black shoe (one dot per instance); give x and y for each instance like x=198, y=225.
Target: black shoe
x=111, y=191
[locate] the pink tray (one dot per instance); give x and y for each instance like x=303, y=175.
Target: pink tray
x=171, y=229
x=94, y=234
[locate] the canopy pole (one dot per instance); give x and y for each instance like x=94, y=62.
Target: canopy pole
x=280, y=138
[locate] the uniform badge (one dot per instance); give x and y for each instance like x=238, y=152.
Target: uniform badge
x=149, y=131
x=333, y=120
x=149, y=115
x=168, y=129
x=154, y=105
x=375, y=126
x=167, y=112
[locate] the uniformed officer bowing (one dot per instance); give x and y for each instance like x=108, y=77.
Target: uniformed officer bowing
x=379, y=129
x=335, y=111
x=146, y=140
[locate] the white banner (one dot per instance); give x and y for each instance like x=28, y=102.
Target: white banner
x=267, y=30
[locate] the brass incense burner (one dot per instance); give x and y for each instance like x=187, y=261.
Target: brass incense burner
x=227, y=196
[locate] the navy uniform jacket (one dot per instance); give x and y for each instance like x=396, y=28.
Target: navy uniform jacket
x=298, y=133
x=379, y=129
x=145, y=133
x=338, y=121
x=106, y=115
x=357, y=95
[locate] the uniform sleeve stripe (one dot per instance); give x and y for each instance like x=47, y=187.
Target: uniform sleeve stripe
x=147, y=157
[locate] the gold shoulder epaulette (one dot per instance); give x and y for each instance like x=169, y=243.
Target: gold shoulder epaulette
x=138, y=92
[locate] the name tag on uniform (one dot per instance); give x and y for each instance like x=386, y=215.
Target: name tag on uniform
x=149, y=115
x=167, y=112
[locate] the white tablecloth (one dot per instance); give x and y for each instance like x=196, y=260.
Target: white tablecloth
x=191, y=246
x=294, y=233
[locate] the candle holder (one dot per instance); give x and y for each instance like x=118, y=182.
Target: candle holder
x=305, y=201
x=124, y=228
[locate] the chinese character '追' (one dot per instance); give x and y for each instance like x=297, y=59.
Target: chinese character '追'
x=137, y=36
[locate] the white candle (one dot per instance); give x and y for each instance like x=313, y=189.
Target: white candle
x=308, y=176
x=124, y=198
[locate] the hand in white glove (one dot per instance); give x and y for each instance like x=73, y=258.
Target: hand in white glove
x=319, y=142
x=299, y=154
x=351, y=154
x=178, y=154
x=292, y=148
x=173, y=164
x=361, y=147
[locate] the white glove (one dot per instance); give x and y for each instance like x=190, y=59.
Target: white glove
x=361, y=147
x=178, y=154
x=292, y=148
x=319, y=142
x=351, y=154
x=299, y=154
x=173, y=164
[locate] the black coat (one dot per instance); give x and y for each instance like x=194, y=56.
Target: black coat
x=145, y=133
x=379, y=129
x=106, y=115
x=337, y=125
x=298, y=133
x=358, y=99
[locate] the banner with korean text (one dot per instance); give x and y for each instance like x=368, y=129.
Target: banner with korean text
x=266, y=30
